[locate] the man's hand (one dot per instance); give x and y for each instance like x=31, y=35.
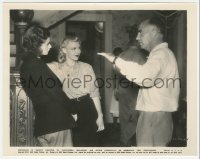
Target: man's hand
x=109, y=56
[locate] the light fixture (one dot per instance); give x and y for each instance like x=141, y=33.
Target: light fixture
x=99, y=26
x=21, y=17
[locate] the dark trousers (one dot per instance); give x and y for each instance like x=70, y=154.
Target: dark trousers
x=128, y=122
x=85, y=135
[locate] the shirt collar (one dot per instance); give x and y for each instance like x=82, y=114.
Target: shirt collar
x=159, y=46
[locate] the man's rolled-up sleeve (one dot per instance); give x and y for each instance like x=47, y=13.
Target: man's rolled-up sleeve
x=143, y=75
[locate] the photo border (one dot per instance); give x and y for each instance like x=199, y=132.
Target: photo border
x=192, y=54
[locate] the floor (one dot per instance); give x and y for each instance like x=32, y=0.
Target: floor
x=111, y=135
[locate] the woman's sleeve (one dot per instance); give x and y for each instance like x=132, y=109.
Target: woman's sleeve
x=93, y=85
x=49, y=85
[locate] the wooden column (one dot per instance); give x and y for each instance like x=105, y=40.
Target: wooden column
x=21, y=20
x=21, y=110
x=21, y=114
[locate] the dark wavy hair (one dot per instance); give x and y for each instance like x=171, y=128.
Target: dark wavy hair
x=33, y=39
x=69, y=37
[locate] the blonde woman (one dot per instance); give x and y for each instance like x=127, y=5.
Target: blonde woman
x=79, y=82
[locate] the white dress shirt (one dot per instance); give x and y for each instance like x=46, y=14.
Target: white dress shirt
x=158, y=78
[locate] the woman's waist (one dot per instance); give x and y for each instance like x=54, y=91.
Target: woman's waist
x=75, y=93
x=80, y=97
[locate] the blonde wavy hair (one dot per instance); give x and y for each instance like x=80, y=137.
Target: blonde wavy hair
x=64, y=43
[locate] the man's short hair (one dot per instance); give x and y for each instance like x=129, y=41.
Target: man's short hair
x=156, y=21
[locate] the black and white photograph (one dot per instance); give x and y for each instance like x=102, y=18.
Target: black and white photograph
x=107, y=78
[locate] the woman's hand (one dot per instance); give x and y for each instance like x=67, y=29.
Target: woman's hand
x=100, y=123
x=75, y=117
x=99, y=120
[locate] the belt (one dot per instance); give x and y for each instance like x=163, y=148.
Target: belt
x=81, y=98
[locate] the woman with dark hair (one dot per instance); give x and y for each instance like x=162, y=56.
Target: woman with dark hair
x=53, y=120
x=78, y=80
